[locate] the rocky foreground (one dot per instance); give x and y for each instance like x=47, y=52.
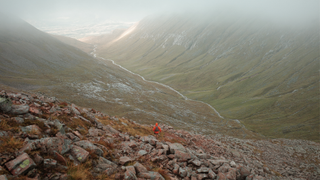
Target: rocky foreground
x=43, y=138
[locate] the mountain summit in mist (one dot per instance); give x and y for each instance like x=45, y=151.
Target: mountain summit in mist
x=36, y=61
x=262, y=71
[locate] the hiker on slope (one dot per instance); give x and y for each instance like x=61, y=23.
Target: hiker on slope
x=156, y=130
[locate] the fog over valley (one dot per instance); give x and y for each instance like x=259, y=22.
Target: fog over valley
x=170, y=89
x=81, y=18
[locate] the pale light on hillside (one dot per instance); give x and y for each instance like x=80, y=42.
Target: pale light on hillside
x=130, y=30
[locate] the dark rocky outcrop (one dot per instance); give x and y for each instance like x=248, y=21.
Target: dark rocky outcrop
x=32, y=145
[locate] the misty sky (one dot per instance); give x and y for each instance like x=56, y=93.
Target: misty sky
x=134, y=10
x=84, y=12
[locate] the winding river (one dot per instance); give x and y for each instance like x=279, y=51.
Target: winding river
x=93, y=53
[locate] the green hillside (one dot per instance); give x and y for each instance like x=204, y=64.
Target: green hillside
x=264, y=73
x=31, y=60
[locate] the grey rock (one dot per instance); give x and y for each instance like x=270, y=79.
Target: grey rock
x=182, y=172
x=3, y=177
x=124, y=159
x=203, y=170
x=196, y=162
x=19, y=109
x=18, y=120
x=49, y=163
x=176, y=146
x=142, y=152
x=3, y=133
x=140, y=168
x=5, y=105
x=89, y=145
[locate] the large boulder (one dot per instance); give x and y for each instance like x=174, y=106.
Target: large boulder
x=79, y=153
x=211, y=174
x=176, y=146
x=221, y=176
x=19, y=109
x=60, y=145
x=89, y=145
x=110, y=130
x=130, y=173
x=105, y=169
x=151, y=175
x=74, y=109
x=232, y=174
x=5, y=105
x=95, y=132
x=3, y=177
x=203, y=170
x=140, y=168
x=4, y=133
x=103, y=160
x=196, y=162
x=182, y=156
x=244, y=172
x=149, y=139
x=105, y=166
x=142, y=153
x=20, y=165
x=217, y=162
x=123, y=160
x=182, y=172
x=31, y=129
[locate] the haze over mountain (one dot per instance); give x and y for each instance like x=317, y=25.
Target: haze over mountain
x=33, y=60
x=260, y=68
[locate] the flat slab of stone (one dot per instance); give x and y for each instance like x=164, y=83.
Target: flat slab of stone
x=77, y=134
x=142, y=152
x=203, y=156
x=176, y=146
x=103, y=160
x=3, y=177
x=130, y=173
x=196, y=162
x=4, y=133
x=57, y=144
x=124, y=159
x=110, y=129
x=151, y=175
x=203, y=170
x=182, y=156
x=5, y=105
x=32, y=128
x=149, y=139
x=140, y=168
x=19, y=109
x=89, y=145
x=79, y=153
x=49, y=163
x=95, y=132
x=20, y=165
x=18, y=120
x=217, y=162
x=60, y=158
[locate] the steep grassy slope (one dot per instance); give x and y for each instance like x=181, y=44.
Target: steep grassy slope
x=264, y=73
x=73, y=42
x=33, y=60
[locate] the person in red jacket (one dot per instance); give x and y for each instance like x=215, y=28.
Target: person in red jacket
x=156, y=129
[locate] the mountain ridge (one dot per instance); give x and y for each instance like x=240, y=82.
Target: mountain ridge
x=75, y=76
x=234, y=65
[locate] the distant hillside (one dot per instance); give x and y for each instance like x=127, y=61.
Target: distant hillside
x=35, y=61
x=264, y=73
x=73, y=42
x=104, y=40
